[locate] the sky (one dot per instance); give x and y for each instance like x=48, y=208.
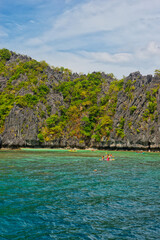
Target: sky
x=111, y=36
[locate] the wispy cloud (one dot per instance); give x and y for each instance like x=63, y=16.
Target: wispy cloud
x=151, y=50
x=108, y=58
x=89, y=34
x=91, y=17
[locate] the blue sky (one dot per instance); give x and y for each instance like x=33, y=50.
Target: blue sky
x=113, y=36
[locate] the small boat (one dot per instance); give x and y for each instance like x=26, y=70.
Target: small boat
x=72, y=150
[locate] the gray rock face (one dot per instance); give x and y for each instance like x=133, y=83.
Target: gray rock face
x=21, y=128
x=138, y=134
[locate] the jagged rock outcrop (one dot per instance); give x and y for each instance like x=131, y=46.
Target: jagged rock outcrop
x=21, y=128
x=40, y=107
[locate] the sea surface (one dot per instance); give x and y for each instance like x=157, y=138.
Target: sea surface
x=47, y=195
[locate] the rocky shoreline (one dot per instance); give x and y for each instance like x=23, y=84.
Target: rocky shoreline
x=138, y=150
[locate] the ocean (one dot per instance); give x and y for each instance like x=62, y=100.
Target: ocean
x=57, y=194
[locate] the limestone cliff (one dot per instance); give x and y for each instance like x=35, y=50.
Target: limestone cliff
x=43, y=106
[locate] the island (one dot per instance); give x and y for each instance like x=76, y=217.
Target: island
x=51, y=107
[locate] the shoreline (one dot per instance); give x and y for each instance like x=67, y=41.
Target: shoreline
x=78, y=149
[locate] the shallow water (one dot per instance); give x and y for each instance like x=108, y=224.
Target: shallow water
x=72, y=195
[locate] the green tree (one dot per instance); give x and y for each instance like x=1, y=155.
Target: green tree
x=5, y=54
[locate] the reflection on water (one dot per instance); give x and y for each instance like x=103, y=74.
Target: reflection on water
x=73, y=195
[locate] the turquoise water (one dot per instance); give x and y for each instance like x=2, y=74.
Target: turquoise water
x=66, y=195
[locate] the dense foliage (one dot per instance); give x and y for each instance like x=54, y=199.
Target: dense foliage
x=87, y=113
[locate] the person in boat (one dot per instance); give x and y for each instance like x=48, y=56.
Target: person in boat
x=108, y=158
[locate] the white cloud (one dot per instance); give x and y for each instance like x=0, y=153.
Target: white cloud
x=154, y=48
x=87, y=18
x=34, y=42
x=108, y=58
x=151, y=50
x=32, y=21
x=91, y=17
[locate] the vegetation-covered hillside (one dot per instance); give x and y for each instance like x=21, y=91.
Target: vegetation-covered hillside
x=47, y=106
